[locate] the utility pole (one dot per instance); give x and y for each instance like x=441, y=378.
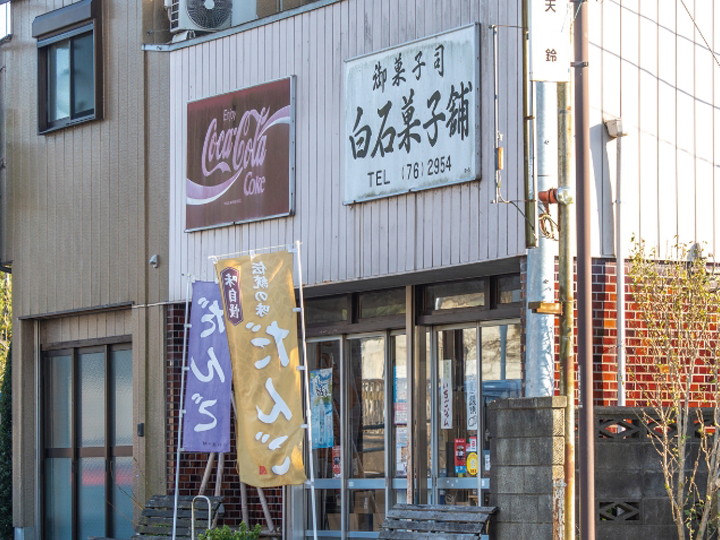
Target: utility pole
x=586, y=441
x=550, y=36
x=567, y=300
x=540, y=317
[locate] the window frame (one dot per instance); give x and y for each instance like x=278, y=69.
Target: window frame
x=68, y=24
x=76, y=451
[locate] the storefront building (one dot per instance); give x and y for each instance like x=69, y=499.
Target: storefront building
x=385, y=174
x=365, y=130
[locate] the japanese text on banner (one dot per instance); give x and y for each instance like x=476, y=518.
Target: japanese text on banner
x=206, y=424
x=262, y=334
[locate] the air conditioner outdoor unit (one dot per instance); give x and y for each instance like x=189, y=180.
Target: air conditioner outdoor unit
x=201, y=15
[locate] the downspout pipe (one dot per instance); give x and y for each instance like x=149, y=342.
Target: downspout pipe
x=615, y=131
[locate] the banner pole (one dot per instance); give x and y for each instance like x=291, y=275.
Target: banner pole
x=308, y=412
x=182, y=407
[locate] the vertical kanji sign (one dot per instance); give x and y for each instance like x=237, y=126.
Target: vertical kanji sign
x=550, y=40
x=264, y=353
x=206, y=424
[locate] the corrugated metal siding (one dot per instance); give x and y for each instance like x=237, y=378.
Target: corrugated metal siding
x=93, y=326
x=76, y=196
x=431, y=229
x=650, y=66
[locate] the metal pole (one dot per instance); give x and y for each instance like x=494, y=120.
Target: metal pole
x=586, y=444
x=567, y=301
x=531, y=223
x=540, y=332
x=308, y=410
x=620, y=264
x=182, y=407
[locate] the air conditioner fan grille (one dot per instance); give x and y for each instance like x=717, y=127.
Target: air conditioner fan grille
x=209, y=14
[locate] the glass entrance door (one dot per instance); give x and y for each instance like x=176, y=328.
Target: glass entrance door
x=470, y=366
x=368, y=458
x=456, y=417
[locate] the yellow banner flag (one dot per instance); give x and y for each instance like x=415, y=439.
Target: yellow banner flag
x=259, y=298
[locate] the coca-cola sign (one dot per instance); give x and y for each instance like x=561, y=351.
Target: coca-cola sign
x=240, y=161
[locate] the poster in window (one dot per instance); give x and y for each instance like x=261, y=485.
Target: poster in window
x=321, y=408
x=401, y=451
x=400, y=394
x=460, y=445
x=471, y=403
x=446, y=406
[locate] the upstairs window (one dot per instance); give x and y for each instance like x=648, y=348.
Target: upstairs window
x=69, y=67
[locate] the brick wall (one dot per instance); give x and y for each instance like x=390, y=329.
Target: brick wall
x=604, y=339
x=192, y=466
x=604, y=333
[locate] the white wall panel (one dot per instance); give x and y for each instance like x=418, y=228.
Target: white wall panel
x=650, y=66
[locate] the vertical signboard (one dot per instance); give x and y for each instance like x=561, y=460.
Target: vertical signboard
x=206, y=424
x=264, y=352
x=240, y=156
x=321, y=408
x=550, y=40
x=412, y=117
x=446, y=395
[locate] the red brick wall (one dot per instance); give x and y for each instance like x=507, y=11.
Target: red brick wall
x=604, y=341
x=604, y=331
x=192, y=466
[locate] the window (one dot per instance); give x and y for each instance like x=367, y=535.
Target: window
x=87, y=443
x=455, y=295
x=69, y=72
x=509, y=290
x=385, y=303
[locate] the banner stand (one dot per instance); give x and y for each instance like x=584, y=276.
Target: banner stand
x=308, y=410
x=302, y=367
x=182, y=406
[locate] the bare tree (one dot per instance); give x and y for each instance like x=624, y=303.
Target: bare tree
x=675, y=372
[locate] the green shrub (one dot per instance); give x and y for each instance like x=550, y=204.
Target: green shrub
x=226, y=533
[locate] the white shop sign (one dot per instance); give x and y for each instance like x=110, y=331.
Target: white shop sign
x=412, y=116
x=550, y=40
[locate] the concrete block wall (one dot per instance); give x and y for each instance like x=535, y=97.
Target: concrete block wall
x=527, y=456
x=629, y=484
x=526, y=446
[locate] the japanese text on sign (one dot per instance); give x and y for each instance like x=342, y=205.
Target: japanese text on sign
x=550, y=40
x=446, y=395
x=412, y=115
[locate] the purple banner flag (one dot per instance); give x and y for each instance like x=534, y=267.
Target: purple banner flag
x=209, y=377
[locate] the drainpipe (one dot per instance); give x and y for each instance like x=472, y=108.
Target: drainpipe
x=615, y=131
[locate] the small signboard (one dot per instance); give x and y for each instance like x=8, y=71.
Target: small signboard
x=412, y=116
x=550, y=40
